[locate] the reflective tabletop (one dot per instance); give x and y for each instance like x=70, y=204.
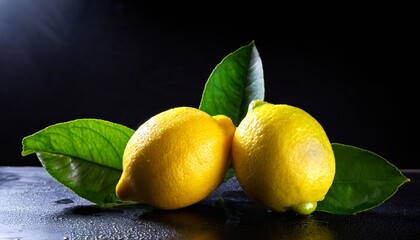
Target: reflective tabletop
x=33, y=205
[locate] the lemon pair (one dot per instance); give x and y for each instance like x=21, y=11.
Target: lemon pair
x=281, y=155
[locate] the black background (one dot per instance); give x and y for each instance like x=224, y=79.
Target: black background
x=348, y=65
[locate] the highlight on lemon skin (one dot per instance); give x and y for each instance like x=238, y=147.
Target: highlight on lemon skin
x=176, y=158
x=282, y=157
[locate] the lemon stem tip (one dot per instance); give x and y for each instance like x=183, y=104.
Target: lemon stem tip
x=255, y=103
x=305, y=208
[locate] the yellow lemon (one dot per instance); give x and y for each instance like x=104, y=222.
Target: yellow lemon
x=176, y=158
x=282, y=157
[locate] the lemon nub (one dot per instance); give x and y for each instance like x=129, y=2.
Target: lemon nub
x=226, y=124
x=304, y=208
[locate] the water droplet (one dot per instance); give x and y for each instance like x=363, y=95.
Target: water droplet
x=64, y=201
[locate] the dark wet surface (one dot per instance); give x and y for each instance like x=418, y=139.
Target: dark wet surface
x=34, y=206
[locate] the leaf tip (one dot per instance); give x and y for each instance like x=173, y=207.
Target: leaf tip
x=25, y=151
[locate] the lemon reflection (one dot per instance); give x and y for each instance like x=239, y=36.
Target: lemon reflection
x=306, y=229
x=191, y=222
x=210, y=222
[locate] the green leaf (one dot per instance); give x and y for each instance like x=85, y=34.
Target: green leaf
x=234, y=83
x=230, y=173
x=363, y=181
x=86, y=179
x=84, y=155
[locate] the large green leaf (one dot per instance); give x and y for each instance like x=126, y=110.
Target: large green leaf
x=234, y=83
x=84, y=155
x=363, y=180
x=91, y=181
